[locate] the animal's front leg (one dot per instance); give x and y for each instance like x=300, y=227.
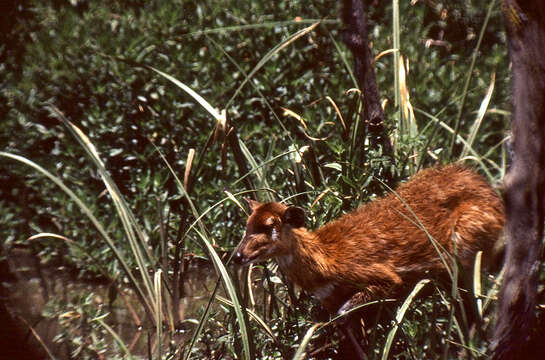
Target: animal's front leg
x=350, y=324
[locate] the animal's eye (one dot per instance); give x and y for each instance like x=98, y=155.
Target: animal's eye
x=265, y=229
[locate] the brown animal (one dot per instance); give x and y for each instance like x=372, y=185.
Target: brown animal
x=383, y=247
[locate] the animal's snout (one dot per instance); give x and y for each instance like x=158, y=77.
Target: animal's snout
x=238, y=258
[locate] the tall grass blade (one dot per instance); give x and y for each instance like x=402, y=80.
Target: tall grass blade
x=400, y=315
x=259, y=170
x=205, y=104
x=116, y=337
x=136, y=238
x=181, y=189
x=85, y=209
x=255, y=86
x=269, y=55
x=158, y=310
x=300, y=353
x=409, y=128
x=480, y=115
x=254, y=316
x=491, y=6
x=342, y=55
x=475, y=157
x=75, y=244
x=204, y=318
x=219, y=268
x=396, y=47
x=268, y=24
x=228, y=283
x=38, y=338
x=265, y=163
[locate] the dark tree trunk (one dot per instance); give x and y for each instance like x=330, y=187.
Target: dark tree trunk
x=356, y=39
x=515, y=334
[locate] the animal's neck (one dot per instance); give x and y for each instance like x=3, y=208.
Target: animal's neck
x=306, y=262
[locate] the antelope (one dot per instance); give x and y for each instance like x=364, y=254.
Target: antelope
x=383, y=247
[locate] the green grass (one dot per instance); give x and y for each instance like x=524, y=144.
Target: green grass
x=142, y=179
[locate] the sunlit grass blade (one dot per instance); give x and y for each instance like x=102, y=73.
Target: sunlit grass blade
x=409, y=125
x=189, y=163
x=409, y=129
x=300, y=353
x=396, y=47
x=75, y=244
x=205, y=104
x=400, y=315
x=480, y=115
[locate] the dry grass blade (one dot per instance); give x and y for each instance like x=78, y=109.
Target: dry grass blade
x=38, y=338
x=408, y=126
x=188, y=164
x=384, y=53
x=337, y=111
x=293, y=114
x=477, y=283
x=288, y=112
x=406, y=106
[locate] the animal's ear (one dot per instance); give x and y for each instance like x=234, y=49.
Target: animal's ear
x=295, y=216
x=252, y=204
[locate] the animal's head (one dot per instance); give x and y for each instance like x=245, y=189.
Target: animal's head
x=267, y=231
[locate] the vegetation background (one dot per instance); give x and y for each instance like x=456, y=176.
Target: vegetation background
x=123, y=176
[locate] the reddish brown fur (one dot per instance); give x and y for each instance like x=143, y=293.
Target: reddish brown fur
x=378, y=249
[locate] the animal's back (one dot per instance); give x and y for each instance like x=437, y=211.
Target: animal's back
x=454, y=205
